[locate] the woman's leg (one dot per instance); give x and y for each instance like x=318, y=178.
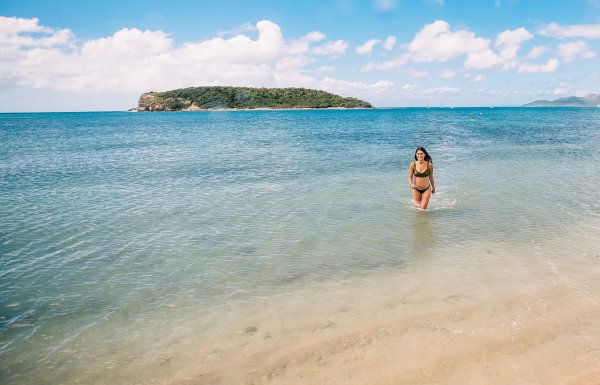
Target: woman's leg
x=425, y=198
x=416, y=197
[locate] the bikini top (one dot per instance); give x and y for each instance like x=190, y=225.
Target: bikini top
x=423, y=174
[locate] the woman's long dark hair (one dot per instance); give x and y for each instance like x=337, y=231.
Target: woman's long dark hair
x=427, y=157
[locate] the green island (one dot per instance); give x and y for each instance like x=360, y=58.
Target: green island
x=246, y=98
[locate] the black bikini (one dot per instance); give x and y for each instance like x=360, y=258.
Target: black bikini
x=422, y=191
x=423, y=174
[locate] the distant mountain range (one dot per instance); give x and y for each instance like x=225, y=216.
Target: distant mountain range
x=591, y=100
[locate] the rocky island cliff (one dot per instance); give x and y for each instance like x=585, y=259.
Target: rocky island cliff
x=211, y=98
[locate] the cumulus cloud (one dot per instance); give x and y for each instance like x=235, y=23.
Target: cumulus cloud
x=435, y=42
x=510, y=41
x=302, y=44
x=134, y=61
x=570, y=51
x=550, y=66
x=367, y=47
x=389, y=43
x=333, y=48
x=20, y=32
x=478, y=78
x=591, y=31
x=356, y=88
x=536, y=52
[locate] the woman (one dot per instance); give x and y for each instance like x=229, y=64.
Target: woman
x=420, y=178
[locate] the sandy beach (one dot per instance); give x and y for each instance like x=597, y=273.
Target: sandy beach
x=454, y=323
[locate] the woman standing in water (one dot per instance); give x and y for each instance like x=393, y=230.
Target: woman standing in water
x=420, y=178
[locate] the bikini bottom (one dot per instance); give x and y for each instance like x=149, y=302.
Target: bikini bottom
x=422, y=191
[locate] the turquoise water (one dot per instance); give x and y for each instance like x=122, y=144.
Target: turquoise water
x=119, y=226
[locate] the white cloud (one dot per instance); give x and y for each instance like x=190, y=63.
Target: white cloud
x=131, y=60
x=18, y=32
x=478, y=78
x=591, y=31
x=356, y=88
x=588, y=55
x=386, y=65
x=510, y=41
x=570, y=51
x=302, y=44
x=389, y=43
x=440, y=90
x=246, y=27
x=562, y=89
x=367, y=47
x=550, y=66
x=325, y=69
x=415, y=89
x=333, y=48
x=127, y=43
x=536, y=52
x=447, y=74
x=435, y=42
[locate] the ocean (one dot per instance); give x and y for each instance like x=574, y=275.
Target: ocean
x=255, y=247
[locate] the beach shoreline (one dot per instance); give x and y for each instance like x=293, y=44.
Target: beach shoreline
x=416, y=324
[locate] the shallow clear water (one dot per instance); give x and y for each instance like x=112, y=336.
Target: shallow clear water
x=124, y=225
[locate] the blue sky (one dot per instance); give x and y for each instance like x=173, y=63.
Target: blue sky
x=87, y=56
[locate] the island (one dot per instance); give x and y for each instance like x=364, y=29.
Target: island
x=243, y=98
x=591, y=100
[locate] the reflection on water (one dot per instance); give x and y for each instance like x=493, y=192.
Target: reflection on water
x=421, y=230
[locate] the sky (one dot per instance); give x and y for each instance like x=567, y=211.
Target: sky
x=102, y=55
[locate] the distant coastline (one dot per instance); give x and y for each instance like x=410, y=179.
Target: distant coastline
x=244, y=98
x=591, y=100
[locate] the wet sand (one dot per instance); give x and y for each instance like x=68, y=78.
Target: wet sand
x=498, y=319
x=501, y=314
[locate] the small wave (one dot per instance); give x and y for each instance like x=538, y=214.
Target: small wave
x=443, y=204
x=434, y=204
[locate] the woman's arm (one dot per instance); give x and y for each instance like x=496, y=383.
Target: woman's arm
x=411, y=170
x=431, y=178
